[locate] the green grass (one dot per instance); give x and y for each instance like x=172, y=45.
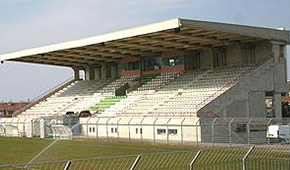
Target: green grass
x=22, y=150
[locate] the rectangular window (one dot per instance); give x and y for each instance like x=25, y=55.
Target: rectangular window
x=94, y=129
x=116, y=130
x=112, y=130
x=161, y=131
x=136, y=130
x=172, y=131
x=241, y=128
x=90, y=129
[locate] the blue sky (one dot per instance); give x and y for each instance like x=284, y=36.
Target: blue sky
x=32, y=23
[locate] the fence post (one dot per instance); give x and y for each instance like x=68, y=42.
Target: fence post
x=154, y=130
x=268, y=124
x=181, y=129
x=196, y=128
x=137, y=160
x=118, y=134
x=141, y=129
x=107, y=131
x=97, y=130
x=246, y=156
x=167, y=134
x=230, y=132
x=248, y=131
x=212, y=131
x=191, y=166
x=129, y=129
x=67, y=165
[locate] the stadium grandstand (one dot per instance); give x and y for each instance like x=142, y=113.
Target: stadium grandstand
x=159, y=81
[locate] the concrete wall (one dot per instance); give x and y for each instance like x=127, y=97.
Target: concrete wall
x=247, y=97
x=147, y=129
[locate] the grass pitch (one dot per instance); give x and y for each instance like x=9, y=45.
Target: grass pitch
x=22, y=150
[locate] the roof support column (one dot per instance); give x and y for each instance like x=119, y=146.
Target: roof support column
x=90, y=73
x=97, y=73
x=76, y=73
x=141, y=63
x=103, y=71
x=277, y=79
x=114, y=71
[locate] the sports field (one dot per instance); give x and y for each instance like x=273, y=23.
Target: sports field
x=107, y=154
x=21, y=150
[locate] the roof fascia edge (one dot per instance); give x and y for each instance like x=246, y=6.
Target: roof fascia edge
x=142, y=30
x=259, y=32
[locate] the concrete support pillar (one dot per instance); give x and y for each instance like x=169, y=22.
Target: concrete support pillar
x=97, y=73
x=141, y=64
x=89, y=73
x=211, y=56
x=277, y=105
x=114, y=71
x=103, y=71
x=276, y=52
x=76, y=73
x=118, y=69
x=239, y=57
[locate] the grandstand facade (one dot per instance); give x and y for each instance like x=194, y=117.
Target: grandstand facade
x=159, y=81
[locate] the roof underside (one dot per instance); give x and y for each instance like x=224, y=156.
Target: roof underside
x=178, y=35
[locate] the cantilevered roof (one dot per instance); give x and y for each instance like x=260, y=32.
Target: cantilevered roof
x=177, y=35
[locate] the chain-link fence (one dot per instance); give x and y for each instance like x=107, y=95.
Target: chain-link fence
x=168, y=130
x=212, y=158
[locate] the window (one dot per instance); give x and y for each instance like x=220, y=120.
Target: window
x=116, y=130
x=90, y=129
x=94, y=130
x=241, y=127
x=172, y=131
x=136, y=130
x=161, y=131
x=112, y=130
